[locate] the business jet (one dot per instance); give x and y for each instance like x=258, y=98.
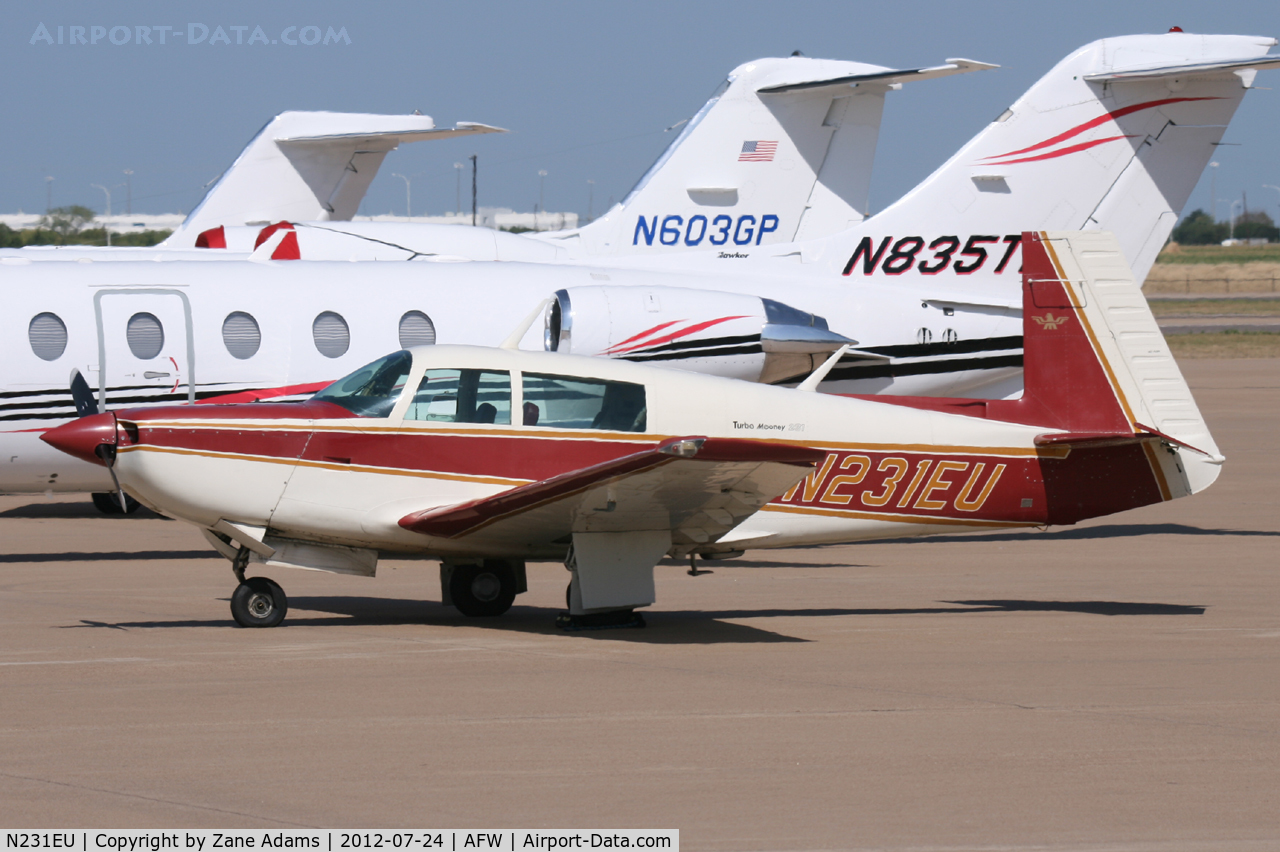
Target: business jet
x=931, y=313
x=485, y=458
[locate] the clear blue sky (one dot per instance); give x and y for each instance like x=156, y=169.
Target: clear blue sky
x=587, y=87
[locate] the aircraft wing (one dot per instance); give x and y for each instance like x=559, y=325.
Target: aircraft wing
x=698, y=488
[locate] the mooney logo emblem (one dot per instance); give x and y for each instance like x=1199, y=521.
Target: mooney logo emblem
x=1049, y=322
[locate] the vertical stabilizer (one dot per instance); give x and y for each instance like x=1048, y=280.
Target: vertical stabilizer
x=783, y=152
x=1114, y=137
x=1140, y=368
x=308, y=166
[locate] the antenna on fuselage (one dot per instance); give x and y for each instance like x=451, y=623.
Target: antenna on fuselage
x=513, y=342
x=815, y=378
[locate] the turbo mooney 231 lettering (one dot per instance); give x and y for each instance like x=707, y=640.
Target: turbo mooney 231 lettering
x=484, y=458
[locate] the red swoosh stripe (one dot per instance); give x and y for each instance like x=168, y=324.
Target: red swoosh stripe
x=657, y=328
x=264, y=393
x=1102, y=119
x=676, y=335
x=1061, y=152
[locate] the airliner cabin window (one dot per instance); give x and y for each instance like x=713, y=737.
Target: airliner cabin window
x=241, y=335
x=568, y=402
x=47, y=335
x=331, y=335
x=416, y=329
x=462, y=396
x=145, y=335
x=371, y=391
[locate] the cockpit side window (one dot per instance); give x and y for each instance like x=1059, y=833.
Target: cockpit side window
x=462, y=396
x=371, y=391
x=569, y=402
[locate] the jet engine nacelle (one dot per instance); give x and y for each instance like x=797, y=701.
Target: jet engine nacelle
x=703, y=331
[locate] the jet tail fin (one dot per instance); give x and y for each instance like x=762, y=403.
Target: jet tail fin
x=783, y=152
x=1114, y=137
x=308, y=166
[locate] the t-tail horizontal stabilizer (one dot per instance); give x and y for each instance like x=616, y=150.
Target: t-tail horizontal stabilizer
x=309, y=166
x=783, y=152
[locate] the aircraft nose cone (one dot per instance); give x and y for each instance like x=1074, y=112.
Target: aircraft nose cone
x=82, y=436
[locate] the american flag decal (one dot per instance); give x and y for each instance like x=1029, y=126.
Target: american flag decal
x=758, y=152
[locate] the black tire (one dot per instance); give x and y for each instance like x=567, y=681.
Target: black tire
x=108, y=503
x=259, y=602
x=483, y=591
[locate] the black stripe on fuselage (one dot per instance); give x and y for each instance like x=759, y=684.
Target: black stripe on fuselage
x=945, y=347
x=880, y=370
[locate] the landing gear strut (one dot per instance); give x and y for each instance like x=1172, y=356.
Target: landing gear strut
x=257, y=601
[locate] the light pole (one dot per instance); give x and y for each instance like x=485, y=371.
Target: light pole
x=591, y=198
x=457, y=171
x=1213, y=188
x=48, y=194
x=128, y=192
x=1269, y=186
x=408, y=211
x=474, y=169
x=542, y=186
x=106, y=226
x=1231, y=214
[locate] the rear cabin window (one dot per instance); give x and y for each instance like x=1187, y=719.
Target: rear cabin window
x=462, y=396
x=371, y=391
x=569, y=402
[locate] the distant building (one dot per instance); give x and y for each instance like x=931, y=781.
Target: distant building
x=486, y=217
x=490, y=217
x=1251, y=241
x=122, y=224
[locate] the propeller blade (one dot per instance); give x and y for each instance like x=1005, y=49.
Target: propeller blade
x=82, y=396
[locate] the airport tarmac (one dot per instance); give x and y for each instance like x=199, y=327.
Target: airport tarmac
x=1114, y=686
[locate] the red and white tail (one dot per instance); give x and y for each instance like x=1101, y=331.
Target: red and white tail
x=1097, y=366
x=1114, y=137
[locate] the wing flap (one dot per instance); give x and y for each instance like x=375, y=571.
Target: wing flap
x=698, y=488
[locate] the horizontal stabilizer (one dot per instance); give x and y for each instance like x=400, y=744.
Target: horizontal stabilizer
x=697, y=488
x=953, y=66
x=401, y=134
x=1228, y=65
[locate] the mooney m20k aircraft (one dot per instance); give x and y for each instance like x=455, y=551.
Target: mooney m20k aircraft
x=484, y=458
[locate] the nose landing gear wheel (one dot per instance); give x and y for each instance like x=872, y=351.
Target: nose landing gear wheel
x=482, y=591
x=258, y=602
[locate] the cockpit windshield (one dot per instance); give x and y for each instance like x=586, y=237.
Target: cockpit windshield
x=372, y=390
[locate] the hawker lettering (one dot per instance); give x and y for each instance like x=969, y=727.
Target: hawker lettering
x=922, y=468
x=937, y=483
x=864, y=465
x=963, y=503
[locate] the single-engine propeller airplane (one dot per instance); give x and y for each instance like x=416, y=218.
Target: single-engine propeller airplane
x=484, y=458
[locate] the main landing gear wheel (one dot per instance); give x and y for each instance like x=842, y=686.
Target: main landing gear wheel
x=259, y=602
x=109, y=504
x=483, y=591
